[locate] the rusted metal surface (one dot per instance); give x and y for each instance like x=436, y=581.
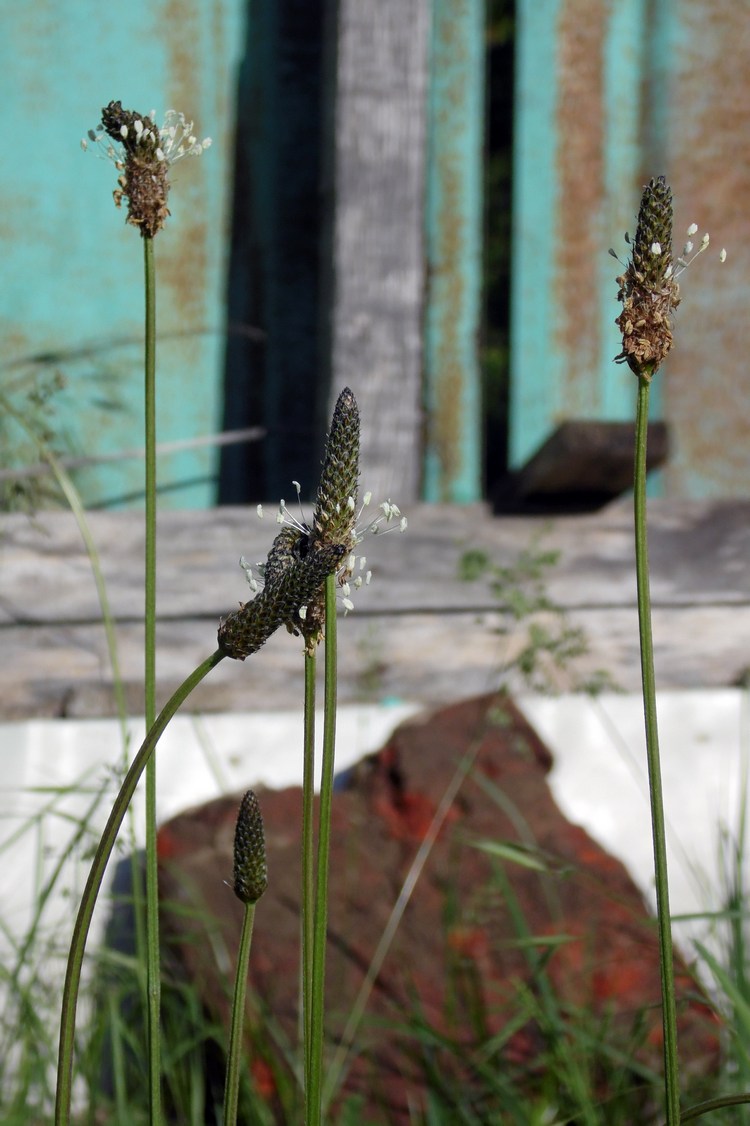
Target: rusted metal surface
x=611, y=93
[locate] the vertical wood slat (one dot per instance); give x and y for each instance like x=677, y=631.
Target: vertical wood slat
x=378, y=174
x=454, y=252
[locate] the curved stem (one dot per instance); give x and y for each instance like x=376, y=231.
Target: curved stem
x=153, y=961
x=314, y=1093
x=666, y=954
x=94, y=882
x=719, y=1103
x=232, y=1082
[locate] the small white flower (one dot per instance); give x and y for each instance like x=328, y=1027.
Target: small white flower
x=689, y=253
x=388, y=520
x=656, y=248
x=175, y=139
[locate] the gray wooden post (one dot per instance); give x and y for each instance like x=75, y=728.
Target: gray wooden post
x=378, y=267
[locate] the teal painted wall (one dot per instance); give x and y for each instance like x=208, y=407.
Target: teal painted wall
x=585, y=131
x=73, y=291
x=452, y=465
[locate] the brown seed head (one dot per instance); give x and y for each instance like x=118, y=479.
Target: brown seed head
x=144, y=181
x=143, y=153
x=648, y=290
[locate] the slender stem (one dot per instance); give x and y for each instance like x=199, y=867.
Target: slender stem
x=308, y=854
x=94, y=882
x=153, y=961
x=666, y=954
x=232, y=1082
x=314, y=1093
x=720, y=1103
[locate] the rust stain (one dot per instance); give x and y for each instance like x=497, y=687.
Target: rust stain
x=447, y=420
x=182, y=257
x=580, y=185
x=707, y=393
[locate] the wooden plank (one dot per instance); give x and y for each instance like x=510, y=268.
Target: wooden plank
x=418, y=632
x=378, y=266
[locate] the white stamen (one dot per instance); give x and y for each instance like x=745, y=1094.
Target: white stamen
x=692, y=229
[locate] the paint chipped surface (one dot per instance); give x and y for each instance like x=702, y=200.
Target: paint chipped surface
x=707, y=392
x=580, y=191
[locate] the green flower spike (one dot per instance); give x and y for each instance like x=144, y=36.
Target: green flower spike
x=295, y=573
x=335, y=515
x=301, y=557
x=250, y=866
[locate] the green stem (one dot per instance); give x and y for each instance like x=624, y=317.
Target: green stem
x=153, y=961
x=94, y=882
x=314, y=1093
x=666, y=956
x=308, y=854
x=232, y=1083
x=720, y=1103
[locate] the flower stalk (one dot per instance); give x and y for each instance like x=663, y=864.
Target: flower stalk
x=250, y=881
x=649, y=295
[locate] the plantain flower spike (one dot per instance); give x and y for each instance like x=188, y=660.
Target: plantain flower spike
x=335, y=515
x=336, y=502
x=648, y=290
x=250, y=865
x=143, y=154
x=295, y=572
x=302, y=557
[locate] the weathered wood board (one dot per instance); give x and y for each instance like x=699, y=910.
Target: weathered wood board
x=418, y=632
